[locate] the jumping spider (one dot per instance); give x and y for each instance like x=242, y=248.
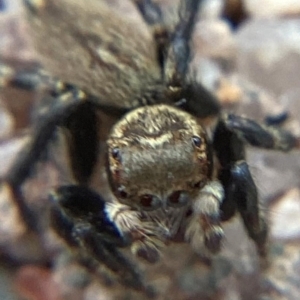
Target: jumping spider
x=172, y=178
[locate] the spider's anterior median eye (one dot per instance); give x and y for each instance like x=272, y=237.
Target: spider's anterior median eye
x=197, y=141
x=149, y=201
x=178, y=198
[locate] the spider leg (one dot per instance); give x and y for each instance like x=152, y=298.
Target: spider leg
x=174, y=57
x=276, y=120
x=191, y=95
x=240, y=190
x=31, y=79
x=79, y=216
x=62, y=106
x=179, y=54
x=259, y=135
x=150, y=11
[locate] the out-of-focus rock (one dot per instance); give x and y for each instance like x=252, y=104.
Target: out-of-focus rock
x=213, y=38
x=228, y=93
x=269, y=53
x=234, y=11
x=71, y=279
x=281, y=280
x=13, y=32
x=6, y=122
x=213, y=43
x=208, y=72
x=291, y=102
x=7, y=291
x=250, y=99
x=273, y=171
x=12, y=226
x=271, y=8
x=98, y=292
x=36, y=283
x=211, y=9
x=285, y=209
x=16, y=241
x=9, y=151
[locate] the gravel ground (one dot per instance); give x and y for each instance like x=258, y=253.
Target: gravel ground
x=254, y=70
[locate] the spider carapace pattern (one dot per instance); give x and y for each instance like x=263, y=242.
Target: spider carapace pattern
x=172, y=178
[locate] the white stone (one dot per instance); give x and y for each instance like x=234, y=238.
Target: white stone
x=214, y=38
x=269, y=53
x=267, y=8
x=285, y=216
x=9, y=151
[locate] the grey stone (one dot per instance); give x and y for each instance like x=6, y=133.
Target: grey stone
x=269, y=53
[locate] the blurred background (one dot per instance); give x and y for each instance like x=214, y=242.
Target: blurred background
x=247, y=52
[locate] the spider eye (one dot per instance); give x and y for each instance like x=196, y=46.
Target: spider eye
x=149, y=201
x=121, y=192
x=200, y=184
x=197, y=141
x=115, y=152
x=178, y=198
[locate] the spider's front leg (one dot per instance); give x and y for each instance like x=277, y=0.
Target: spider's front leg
x=85, y=221
x=241, y=194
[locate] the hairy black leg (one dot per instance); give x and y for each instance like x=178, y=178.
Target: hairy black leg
x=82, y=204
x=179, y=54
x=36, y=148
x=174, y=57
x=198, y=101
x=239, y=187
x=150, y=11
x=175, y=50
x=79, y=216
x=259, y=135
x=192, y=96
x=276, y=120
x=240, y=190
x=42, y=134
x=243, y=188
x=31, y=79
x=82, y=141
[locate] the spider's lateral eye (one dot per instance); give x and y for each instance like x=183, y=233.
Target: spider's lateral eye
x=149, y=201
x=178, y=198
x=115, y=152
x=197, y=141
x=200, y=184
x=122, y=193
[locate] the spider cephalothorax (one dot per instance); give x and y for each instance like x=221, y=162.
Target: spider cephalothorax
x=163, y=191
x=158, y=131
x=170, y=180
